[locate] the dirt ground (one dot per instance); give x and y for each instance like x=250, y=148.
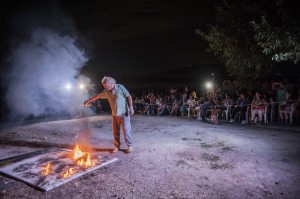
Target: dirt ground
x=173, y=157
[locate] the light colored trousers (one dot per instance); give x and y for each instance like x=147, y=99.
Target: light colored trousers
x=260, y=113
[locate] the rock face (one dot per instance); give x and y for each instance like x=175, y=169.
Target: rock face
x=172, y=158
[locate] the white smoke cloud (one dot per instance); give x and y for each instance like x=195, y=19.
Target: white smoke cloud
x=40, y=68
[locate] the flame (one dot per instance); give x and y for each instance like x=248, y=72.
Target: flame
x=78, y=153
x=82, y=159
x=79, y=157
x=46, y=169
x=88, y=162
x=80, y=162
x=68, y=173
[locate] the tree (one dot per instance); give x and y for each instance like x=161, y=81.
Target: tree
x=281, y=39
x=240, y=38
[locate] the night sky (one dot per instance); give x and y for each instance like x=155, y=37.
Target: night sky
x=120, y=38
x=49, y=46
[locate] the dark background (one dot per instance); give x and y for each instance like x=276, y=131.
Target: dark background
x=142, y=43
x=124, y=39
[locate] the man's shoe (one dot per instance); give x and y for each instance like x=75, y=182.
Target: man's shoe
x=129, y=150
x=115, y=150
x=231, y=121
x=243, y=122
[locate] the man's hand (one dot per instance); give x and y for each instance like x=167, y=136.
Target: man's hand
x=87, y=103
x=131, y=111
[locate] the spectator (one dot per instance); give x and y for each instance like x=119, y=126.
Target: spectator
x=185, y=90
x=191, y=102
x=258, y=106
x=237, y=94
x=167, y=106
x=151, y=109
x=139, y=104
x=209, y=104
x=173, y=90
x=285, y=107
x=175, y=106
x=158, y=103
x=241, y=106
x=217, y=101
x=227, y=104
x=280, y=89
x=184, y=104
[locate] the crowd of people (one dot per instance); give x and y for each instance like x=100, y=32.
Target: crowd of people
x=268, y=102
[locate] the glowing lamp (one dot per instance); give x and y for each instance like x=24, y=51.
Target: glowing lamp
x=208, y=85
x=68, y=86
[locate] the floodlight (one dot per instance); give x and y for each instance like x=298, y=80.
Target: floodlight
x=68, y=86
x=208, y=85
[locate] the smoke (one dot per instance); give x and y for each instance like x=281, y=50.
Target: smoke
x=40, y=70
x=42, y=56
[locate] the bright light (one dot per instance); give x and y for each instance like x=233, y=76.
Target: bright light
x=81, y=86
x=208, y=85
x=68, y=86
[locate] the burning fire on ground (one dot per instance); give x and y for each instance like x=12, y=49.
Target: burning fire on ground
x=46, y=169
x=79, y=156
x=81, y=159
x=68, y=173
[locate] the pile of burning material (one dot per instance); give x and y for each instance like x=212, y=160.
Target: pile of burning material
x=49, y=170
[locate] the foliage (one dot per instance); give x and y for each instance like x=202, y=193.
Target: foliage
x=282, y=39
x=246, y=42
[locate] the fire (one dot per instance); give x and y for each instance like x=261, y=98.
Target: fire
x=68, y=173
x=82, y=159
x=80, y=162
x=78, y=153
x=46, y=169
x=88, y=162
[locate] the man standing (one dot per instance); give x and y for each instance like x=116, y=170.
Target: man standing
x=120, y=102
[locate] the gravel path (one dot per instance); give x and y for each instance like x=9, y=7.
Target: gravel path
x=173, y=158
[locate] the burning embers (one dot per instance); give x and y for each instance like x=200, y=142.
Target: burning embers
x=81, y=159
x=46, y=169
x=68, y=173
